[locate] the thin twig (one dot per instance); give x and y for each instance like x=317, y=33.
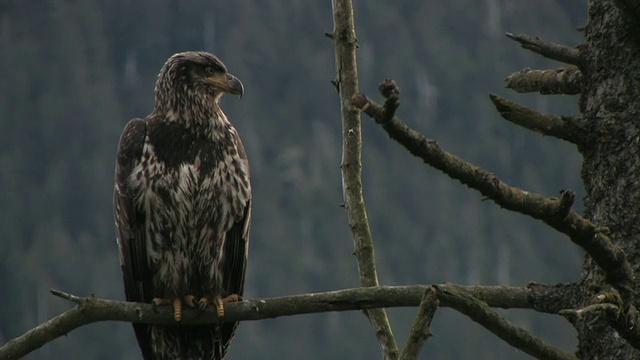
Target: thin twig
x=344, y=40
x=421, y=328
x=567, y=81
x=548, y=49
x=481, y=313
x=64, y=295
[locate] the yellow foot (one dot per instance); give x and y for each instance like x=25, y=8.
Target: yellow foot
x=176, y=303
x=232, y=298
x=177, y=309
x=221, y=301
x=219, y=305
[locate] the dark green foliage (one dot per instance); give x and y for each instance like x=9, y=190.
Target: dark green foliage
x=72, y=73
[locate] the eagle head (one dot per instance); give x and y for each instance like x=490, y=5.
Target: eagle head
x=194, y=77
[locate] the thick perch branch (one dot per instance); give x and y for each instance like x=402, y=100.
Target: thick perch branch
x=344, y=40
x=555, y=212
x=562, y=127
x=90, y=309
x=566, y=81
x=548, y=49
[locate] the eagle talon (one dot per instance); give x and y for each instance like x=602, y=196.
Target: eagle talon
x=203, y=303
x=190, y=301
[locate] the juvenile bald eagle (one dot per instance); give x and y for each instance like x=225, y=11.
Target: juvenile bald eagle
x=183, y=206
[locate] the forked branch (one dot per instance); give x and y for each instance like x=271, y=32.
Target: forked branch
x=421, y=328
x=481, y=313
x=555, y=212
x=344, y=41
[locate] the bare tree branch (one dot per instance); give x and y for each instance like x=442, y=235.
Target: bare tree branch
x=562, y=127
x=566, y=81
x=548, y=49
x=421, y=328
x=91, y=309
x=481, y=313
x=344, y=40
x=552, y=211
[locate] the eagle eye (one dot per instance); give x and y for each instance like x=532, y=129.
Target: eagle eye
x=209, y=70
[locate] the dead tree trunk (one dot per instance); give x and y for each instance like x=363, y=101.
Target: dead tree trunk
x=610, y=104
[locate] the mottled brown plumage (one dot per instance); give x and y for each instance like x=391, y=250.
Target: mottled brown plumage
x=183, y=205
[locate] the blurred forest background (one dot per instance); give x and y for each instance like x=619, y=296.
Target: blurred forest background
x=72, y=73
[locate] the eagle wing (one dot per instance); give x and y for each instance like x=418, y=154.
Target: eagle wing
x=236, y=252
x=130, y=226
x=234, y=267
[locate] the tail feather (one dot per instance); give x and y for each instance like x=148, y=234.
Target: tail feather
x=181, y=342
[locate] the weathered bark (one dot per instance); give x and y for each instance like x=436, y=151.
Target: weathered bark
x=611, y=109
x=542, y=298
x=566, y=80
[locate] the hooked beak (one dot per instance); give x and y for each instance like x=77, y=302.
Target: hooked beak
x=234, y=86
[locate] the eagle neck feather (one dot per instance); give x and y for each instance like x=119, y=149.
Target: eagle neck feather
x=204, y=116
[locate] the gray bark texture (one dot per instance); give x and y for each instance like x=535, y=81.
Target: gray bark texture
x=610, y=104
